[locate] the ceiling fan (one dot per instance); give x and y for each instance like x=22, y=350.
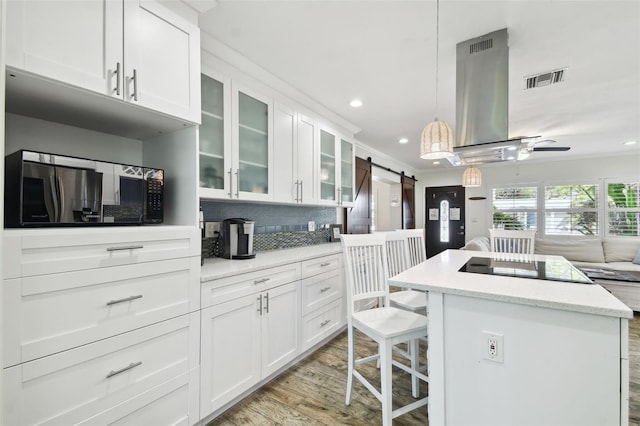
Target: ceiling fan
x=539, y=146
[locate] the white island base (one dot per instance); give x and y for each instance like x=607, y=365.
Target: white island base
x=561, y=354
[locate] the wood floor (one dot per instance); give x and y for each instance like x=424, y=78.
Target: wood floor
x=312, y=392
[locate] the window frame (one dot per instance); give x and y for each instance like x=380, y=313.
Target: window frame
x=606, y=209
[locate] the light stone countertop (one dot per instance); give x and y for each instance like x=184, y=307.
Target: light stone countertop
x=440, y=274
x=216, y=268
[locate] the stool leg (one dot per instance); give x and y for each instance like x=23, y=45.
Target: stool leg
x=385, y=385
x=351, y=364
x=415, y=354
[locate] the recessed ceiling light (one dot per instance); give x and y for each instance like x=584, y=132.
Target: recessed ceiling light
x=631, y=142
x=355, y=103
x=403, y=140
x=436, y=162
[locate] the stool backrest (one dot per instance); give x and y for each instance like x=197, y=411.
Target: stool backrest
x=512, y=241
x=397, y=248
x=415, y=241
x=366, y=268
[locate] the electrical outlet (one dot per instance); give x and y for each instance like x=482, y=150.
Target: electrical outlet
x=211, y=229
x=311, y=226
x=493, y=346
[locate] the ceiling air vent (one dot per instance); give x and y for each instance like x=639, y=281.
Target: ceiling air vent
x=480, y=46
x=544, y=79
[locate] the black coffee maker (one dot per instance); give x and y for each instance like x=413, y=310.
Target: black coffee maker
x=237, y=239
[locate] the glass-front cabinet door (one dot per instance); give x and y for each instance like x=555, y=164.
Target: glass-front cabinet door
x=328, y=164
x=346, y=173
x=252, y=147
x=215, y=138
x=336, y=169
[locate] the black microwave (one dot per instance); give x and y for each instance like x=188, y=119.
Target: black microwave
x=43, y=189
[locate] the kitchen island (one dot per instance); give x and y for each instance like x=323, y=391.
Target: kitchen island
x=521, y=350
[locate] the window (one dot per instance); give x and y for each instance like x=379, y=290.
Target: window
x=571, y=210
x=623, y=209
x=515, y=208
x=444, y=221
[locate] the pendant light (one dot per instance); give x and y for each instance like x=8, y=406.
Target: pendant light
x=437, y=137
x=471, y=177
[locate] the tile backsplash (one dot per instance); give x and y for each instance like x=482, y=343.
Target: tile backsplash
x=276, y=226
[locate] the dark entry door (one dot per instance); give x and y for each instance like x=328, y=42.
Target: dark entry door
x=444, y=218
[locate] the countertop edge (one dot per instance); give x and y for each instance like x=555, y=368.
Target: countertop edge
x=217, y=268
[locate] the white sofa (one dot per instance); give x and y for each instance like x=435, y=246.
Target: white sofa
x=604, y=256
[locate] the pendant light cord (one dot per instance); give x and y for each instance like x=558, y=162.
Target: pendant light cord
x=437, y=50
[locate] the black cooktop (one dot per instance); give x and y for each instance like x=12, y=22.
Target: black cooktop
x=548, y=270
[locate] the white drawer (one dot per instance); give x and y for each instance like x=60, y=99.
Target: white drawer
x=171, y=403
x=75, y=385
x=46, y=314
x=320, y=324
x=229, y=288
x=29, y=252
x=320, y=289
x=321, y=264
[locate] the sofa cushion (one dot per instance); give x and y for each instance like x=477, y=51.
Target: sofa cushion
x=582, y=250
x=478, y=244
x=636, y=259
x=612, y=266
x=620, y=249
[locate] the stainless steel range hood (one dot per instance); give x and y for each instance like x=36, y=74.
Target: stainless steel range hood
x=482, y=101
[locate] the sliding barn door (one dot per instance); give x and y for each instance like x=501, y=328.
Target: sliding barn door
x=408, y=202
x=358, y=218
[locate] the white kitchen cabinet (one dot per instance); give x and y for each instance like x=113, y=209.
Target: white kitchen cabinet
x=215, y=137
x=322, y=290
x=107, y=375
x=81, y=303
x=294, y=153
x=135, y=51
x=246, y=339
x=236, y=142
x=337, y=169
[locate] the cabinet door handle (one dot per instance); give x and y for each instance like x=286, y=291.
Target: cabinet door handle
x=339, y=196
x=122, y=370
x=264, y=280
x=325, y=289
x=301, y=189
x=117, y=89
x=134, y=79
x=322, y=265
x=297, y=191
x=124, y=248
x=325, y=322
x=230, y=185
x=126, y=299
x=259, y=310
x=266, y=305
x=237, y=183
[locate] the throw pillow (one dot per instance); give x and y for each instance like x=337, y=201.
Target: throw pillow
x=636, y=259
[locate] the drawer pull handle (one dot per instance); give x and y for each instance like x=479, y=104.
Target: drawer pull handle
x=325, y=322
x=124, y=248
x=126, y=299
x=122, y=370
x=322, y=265
x=325, y=289
x=264, y=280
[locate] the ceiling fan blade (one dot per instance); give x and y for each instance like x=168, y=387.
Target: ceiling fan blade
x=551, y=148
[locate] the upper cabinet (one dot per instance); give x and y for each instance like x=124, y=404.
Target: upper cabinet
x=236, y=147
x=336, y=169
x=135, y=51
x=294, y=154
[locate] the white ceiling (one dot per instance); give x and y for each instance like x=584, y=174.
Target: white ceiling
x=383, y=52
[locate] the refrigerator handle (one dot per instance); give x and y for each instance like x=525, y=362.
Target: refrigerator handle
x=60, y=198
